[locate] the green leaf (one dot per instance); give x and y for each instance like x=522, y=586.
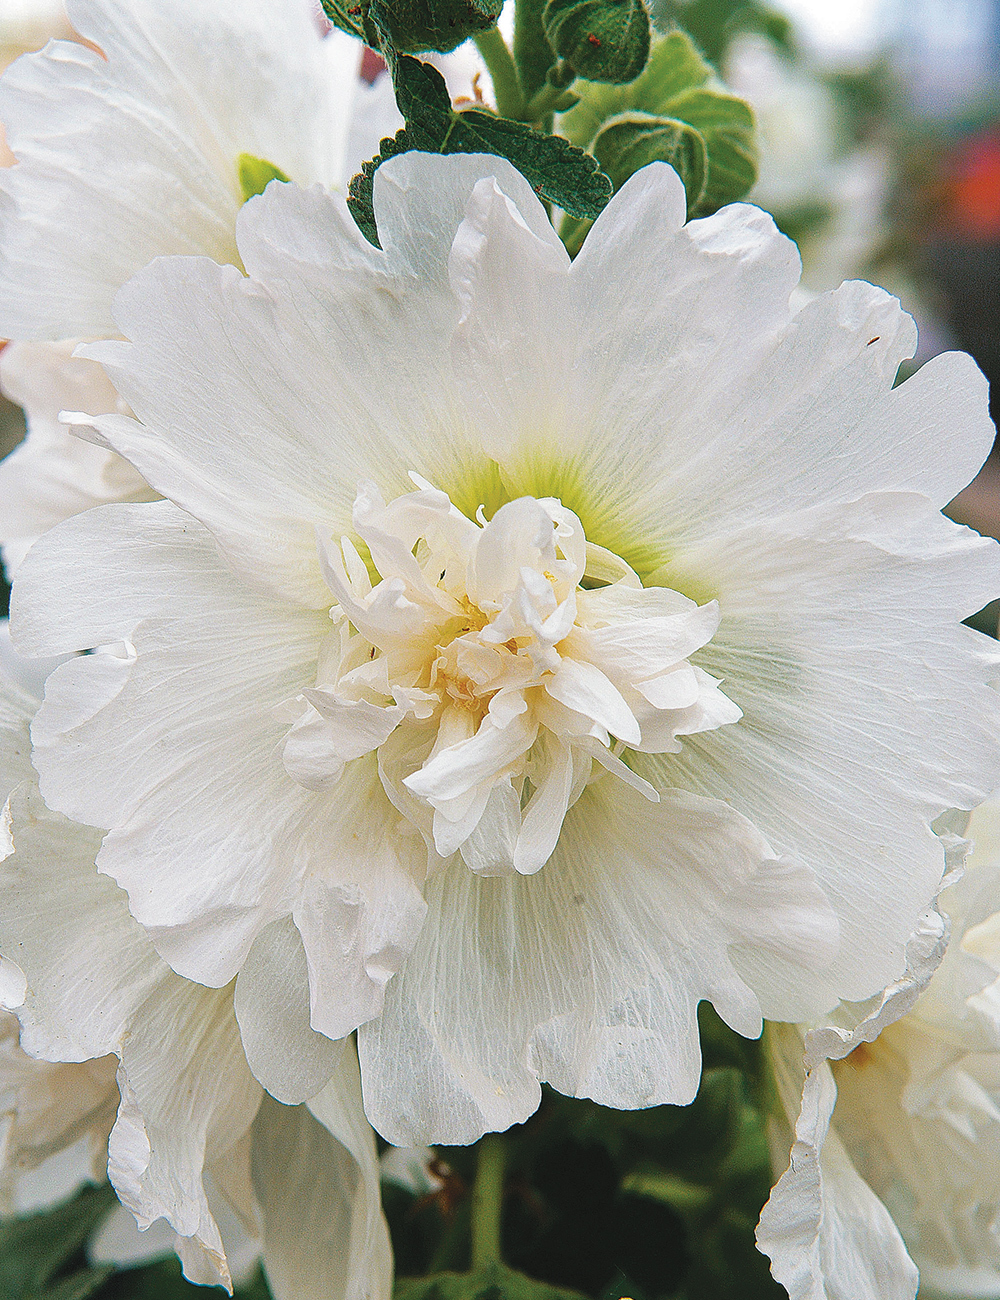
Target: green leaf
x=349, y=16
x=556, y=169
x=727, y=125
x=674, y=66
x=256, y=174
x=632, y=140
x=41, y=1255
x=675, y=87
x=603, y=40
x=412, y=26
x=493, y=1282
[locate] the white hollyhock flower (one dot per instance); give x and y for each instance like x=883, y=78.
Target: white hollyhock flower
x=129, y=157
x=897, y=1137
x=369, y=808
x=194, y=1141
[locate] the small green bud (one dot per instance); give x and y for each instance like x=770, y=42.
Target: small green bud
x=256, y=174
x=604, y=40
x=415, y=26
x=632, y=140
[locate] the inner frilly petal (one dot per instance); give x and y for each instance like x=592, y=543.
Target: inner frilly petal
x=488, y=678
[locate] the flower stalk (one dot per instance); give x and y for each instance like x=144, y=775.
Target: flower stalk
x=487, y=1201
x=503, y=73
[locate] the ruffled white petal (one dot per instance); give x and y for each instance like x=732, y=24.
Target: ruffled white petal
x=205, y=919
x=316, y=1177
x=271, y=1001
x=840, y=641
x=588, y=974
x=85, y=981
x=188, y=1097
x=54, y=1123
x=206, y=872
x=828, y=1235
x=130, y=156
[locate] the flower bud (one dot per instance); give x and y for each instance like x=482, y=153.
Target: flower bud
x=604, y=40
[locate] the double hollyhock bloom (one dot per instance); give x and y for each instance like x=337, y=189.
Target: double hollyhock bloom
x=506, y=649
x=519, y=653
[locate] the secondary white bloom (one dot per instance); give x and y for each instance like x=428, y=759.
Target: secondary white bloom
x=54, y=1123
x=53, y=474
x=193, y=1140
x=897, y=1137
x=131, y=156
x=288, y=796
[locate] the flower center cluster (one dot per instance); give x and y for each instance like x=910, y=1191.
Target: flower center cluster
x=487, y=679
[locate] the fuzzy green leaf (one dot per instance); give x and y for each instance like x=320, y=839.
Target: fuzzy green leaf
x=676, y=86
x=556, y=169
x=727, y=125
x=413, y=26
x=532, y=51
x=349, y=16
x=632, y=140
x=256, y=174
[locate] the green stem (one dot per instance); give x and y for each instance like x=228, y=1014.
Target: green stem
x=541, y=106
x=500, y=65
x=487, y=1201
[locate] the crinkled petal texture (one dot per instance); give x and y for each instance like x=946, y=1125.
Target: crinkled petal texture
x=208, y=758
x=701, y=433
x=316, y=1176
x=904, y=1122
x=828, y=1235
x=54, y=474
x=190, y=1143
x=588, y=975
x=133, y=155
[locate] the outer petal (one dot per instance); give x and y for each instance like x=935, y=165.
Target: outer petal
x=589, y=973
x=695, y=401
x=204, y=764
x=213, y=840
x=285, y=1054
x=866, y=712
x=513, y=344
x=322, y=411
x=826, y=1232
x=17, y=708
x=134, y=155
x=314, y=328
x=88, y=965
x=54, y=1123
x=187, y=1099
x=317, y=1180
